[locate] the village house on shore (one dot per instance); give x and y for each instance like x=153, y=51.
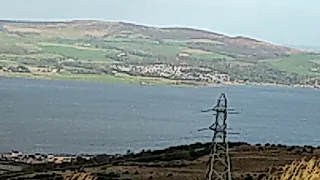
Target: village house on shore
x=38, y=158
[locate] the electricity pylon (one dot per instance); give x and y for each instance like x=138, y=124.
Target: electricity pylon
x=219, y=167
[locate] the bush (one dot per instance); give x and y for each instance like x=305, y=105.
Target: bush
x=291, y=148
x=261, y=176
x=280, y=146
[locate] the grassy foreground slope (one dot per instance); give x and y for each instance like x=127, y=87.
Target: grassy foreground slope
x=79, y=49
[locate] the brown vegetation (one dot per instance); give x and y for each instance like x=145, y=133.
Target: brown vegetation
x=304, y=169
x=189, y=163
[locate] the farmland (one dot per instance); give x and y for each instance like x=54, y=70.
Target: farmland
x=87, y=49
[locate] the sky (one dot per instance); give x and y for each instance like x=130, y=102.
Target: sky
x=287, y=22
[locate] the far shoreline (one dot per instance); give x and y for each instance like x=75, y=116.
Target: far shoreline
x=144, y=81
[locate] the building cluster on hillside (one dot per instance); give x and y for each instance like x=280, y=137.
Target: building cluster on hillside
x=21, y=69
x=176, y=72
x=24, y=69
x=38, y=158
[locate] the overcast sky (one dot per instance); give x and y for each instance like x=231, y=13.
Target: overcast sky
x=293, y=22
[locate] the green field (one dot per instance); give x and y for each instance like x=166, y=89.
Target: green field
x=147, y=47
x=131, y=46
x=76, y=53
x=302, y=64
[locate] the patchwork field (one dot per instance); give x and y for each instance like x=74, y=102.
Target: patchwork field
x=88, y=48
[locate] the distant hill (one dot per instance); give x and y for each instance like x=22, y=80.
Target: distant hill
x=237, y=47
x=95, y=49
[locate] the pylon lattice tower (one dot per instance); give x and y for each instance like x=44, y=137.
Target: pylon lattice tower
x=219, y=167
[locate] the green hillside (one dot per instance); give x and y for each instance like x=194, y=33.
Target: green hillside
x=82, y=48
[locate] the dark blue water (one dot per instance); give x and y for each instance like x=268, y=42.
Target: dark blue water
x=76, y=117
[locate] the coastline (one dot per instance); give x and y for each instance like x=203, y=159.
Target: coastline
x=272, y=84
x=197, y=145
x=144, y=81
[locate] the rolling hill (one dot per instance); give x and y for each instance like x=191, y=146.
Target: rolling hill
x=88, y=47
x=239, y=47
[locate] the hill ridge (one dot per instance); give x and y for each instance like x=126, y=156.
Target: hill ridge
x=149, y=27
x=81, y=47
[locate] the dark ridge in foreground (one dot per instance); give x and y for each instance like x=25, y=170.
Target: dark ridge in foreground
x=181, y=162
